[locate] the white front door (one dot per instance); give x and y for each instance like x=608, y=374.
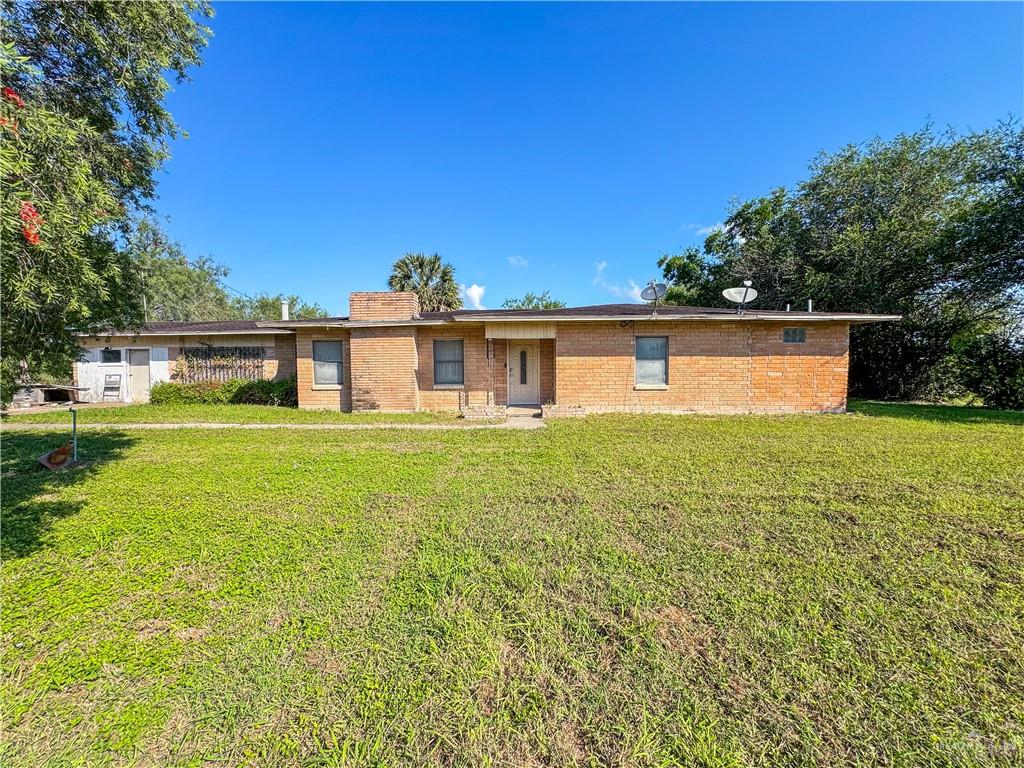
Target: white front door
x=522, y=373
x=138, y=375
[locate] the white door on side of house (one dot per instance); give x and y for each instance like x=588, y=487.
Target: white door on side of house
x=522, y=373
x=138, y=375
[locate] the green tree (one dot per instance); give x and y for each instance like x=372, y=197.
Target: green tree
x=686, y=274
x=84, y=129
x=431, y=280
x=176, y=288
x=534, y=301
x=930, y=226
x=265, y=306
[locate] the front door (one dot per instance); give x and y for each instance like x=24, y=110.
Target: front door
x=138, y=375
x=522, y=373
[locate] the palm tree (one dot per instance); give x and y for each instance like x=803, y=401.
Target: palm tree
x=432, y=280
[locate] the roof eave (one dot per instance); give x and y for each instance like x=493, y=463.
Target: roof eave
x=259, y=331
x=728, y=317
x=393, y=323
x=290, y=327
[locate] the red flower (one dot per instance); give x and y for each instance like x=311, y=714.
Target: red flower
x=31, y=234
x=28, y=212
x=11, y=95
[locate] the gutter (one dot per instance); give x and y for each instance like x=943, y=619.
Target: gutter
x=730, y=317
x=262, y=331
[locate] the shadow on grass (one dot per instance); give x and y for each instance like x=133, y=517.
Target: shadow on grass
x=951, y=414
x=29, y=490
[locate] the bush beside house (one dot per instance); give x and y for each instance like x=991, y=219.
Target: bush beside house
x=233, y=391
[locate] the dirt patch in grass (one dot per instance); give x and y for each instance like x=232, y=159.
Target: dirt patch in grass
x=150, y=628
x=680, y=631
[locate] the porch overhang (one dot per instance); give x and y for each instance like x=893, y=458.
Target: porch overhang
x=534, y=330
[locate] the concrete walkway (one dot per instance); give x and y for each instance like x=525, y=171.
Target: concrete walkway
x=516, y=422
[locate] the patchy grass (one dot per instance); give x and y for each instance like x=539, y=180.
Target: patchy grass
x=224, y=414
x=647, y=591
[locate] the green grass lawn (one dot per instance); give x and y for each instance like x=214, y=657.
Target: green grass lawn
x=645, y=591
x=225, y=414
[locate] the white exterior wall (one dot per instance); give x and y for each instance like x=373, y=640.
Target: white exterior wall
x=91, y=372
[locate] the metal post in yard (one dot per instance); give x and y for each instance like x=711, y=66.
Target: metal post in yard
x=74, y=435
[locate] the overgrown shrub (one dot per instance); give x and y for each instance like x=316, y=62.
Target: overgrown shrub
x=266, y=392
x=250, y=392
x=992, y=367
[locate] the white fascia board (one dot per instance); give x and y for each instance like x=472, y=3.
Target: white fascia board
x=285, y=327
x=135, y=334
x=389, y=323
x=746, y=316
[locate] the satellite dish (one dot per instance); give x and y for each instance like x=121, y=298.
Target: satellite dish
x=742, y=295
x=653, y=291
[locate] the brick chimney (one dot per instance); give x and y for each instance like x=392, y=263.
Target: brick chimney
x=383, y=305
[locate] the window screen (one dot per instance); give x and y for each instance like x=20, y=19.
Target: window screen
x=327, y=361
x=652, y=359
x=448, y=367
x=110, y=356
x=794, y=335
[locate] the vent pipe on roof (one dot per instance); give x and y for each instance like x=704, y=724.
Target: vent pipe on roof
x=810, y=305
x=284, y=309
x=787, y=307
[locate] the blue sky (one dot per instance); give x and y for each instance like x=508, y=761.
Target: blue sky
x=542, y=146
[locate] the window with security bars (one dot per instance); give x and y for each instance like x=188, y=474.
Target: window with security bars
x=210, y=363
x=448, y=361
x=652, y=360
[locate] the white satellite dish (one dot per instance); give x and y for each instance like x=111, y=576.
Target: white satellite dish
x=742, y=295
x=653, y=292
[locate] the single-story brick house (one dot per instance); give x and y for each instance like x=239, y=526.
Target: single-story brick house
x=388, y=356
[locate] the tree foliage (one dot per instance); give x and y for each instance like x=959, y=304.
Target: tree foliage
x=84, y=129
x=177, y=288
x=534, y=301
x=265, y=306
x=928, y=225
x=429, y=278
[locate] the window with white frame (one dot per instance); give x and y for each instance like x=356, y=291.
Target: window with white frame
x=327, y=363
x=110, y=355
x=448, y=362
x=651, y=360
x=794, y=335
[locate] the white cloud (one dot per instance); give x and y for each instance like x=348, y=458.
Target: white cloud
x=518, y=261
x=705, y=231
x=629, y=291
x=702, y=229
x=473, y=295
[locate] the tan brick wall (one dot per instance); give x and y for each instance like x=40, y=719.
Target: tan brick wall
x=283, y=357
x=546, y=374
x=800, y=377
x=481, y=374
x=383, y=305
x=500, y=347
x=320, y=397
x=723, y=367
x=384, y=369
